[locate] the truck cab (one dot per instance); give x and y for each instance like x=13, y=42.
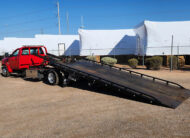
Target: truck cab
x=23, y=58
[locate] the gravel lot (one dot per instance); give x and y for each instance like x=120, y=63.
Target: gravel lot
x=34, y=109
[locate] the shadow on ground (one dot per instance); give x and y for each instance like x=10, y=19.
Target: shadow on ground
x=102, y=89
x=99, y=88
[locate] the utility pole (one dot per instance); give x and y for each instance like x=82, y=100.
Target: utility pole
x=82, y=22
x=67, y=18
x=42, y=31
x=58, y=16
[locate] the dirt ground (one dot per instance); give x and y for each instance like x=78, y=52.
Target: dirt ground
x=35, y=109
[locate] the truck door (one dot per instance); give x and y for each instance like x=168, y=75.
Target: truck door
x=25, y=60
x=41, y=53
x=35, y=60
x=14, y=60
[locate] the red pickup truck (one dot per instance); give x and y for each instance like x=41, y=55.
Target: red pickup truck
x=31, y=62
x=23, y=58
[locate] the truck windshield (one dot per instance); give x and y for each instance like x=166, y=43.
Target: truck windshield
x=15, y=53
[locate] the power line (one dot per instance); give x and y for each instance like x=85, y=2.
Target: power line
x=139, y=13
x=29, y=30
x=27, y=13
x=29, y=22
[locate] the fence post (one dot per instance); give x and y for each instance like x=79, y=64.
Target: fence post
x=178, y=57
x=58, y=50
x=114, y=52
x=143, y=53
x=171, y=58
x=90, y=52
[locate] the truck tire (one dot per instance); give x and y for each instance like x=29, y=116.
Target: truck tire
x=52, y=77
x=5, y=72
x=23, y=74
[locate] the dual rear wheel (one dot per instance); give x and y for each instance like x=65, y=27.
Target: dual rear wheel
x=53, y=77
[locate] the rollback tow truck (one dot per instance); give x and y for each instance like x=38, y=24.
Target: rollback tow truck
x=36, y=63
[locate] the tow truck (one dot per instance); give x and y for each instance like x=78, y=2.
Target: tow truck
x=28, y=62
x=35, y=62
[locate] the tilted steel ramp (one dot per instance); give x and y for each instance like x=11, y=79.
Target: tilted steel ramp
x=167, y=93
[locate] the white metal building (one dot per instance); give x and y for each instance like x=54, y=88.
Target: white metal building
x=148, y=38
x=56, y=44
x=107, y=42
x=155, y=38
x=60, y=44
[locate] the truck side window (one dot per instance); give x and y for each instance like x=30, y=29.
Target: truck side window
x=25, y=51
x=33, y=51
x=15, y=53
x=41, y=51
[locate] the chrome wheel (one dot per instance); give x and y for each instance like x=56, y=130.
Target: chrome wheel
x=5, y=72
x=51, y=78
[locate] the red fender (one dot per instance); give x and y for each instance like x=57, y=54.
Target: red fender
x=8, y=67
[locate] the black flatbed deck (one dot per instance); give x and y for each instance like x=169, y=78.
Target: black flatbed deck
x=164, y=92
x=169, y=95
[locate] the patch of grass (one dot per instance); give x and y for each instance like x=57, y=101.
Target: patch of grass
x=154, y=63
x=92, y=58
x=133, y=63
x=109, y=60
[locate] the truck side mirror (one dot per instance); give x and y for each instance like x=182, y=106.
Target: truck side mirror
x=6, y=54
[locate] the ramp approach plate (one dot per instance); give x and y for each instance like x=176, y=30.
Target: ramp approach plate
x=167, y=93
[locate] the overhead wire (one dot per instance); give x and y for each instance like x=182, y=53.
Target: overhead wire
x=27, y=13
x=29, y=30
x=30, y=21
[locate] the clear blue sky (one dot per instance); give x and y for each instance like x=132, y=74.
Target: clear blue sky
x=24, y=18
